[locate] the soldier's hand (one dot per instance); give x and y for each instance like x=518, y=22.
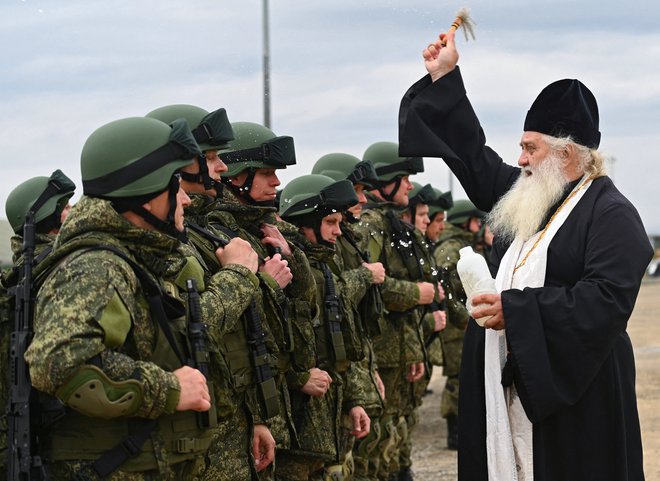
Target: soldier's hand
x=415, y=372
x=194, y=390
x=278, y=269
x=318, y=383
x=440, y=320
x=380, y=385
x=426, y=293
x=441, y=292
x=361, y=422
x=263, y=447
x=238, y=251
x=274, y=237
x=377, y=272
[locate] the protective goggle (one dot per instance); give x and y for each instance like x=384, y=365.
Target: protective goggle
x=214, y=129
x=277, y=152
x=338, y=196
x=364, y=173
x=425, y=195
x=410, y=165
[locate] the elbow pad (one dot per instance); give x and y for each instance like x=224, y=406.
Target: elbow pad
x=92, y=393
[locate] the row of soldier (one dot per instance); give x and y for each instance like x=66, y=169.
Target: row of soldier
x=188, y=330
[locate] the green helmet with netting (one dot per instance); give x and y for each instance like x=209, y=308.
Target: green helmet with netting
x=341, y=166
x=443, y=202
x=306, y=200
x=462, y=211
x=254, y=147
x=130, y=161
x=389, y=167
x=212, y=131
x=56, y=191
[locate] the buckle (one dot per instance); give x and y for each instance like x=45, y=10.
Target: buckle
x=185, y=445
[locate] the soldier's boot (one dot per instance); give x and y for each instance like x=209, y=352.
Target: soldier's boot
x=333, y=472
x=452, y=432
x=405, y=474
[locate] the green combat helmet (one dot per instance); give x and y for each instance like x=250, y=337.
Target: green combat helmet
x=340, y=166
x=420, y=195
x=131, y=161
x=462, y=211
x=306, y=200
x=254, y=147
x=390, y=167
x=212, y=131
x=444, y=201
x=48, y=216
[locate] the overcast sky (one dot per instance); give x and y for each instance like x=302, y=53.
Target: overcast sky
x=339, y=70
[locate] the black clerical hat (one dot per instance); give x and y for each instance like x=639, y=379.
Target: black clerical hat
x=565, y=107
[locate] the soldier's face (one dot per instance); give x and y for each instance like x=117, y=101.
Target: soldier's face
x=264, y=184
x=356, y=210
x=435, y=228
x=401, y=196
x=422, y=217
x=330, y=229
x=160, y=207
x=215, y=168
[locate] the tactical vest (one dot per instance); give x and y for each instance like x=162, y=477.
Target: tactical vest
x=142, y=443
x=247, y=368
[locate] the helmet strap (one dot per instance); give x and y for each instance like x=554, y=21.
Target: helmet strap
x=201, y=177
x=243, y=191
x=390, y=197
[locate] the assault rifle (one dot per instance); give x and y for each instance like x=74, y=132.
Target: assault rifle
x=23, y=414
x=333, y=316
x=200, y=360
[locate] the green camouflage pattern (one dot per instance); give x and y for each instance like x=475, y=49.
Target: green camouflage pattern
x=446, y=255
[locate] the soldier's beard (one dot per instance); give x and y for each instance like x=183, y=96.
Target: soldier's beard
x=519, y=213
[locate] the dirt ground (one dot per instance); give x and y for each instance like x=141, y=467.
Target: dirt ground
x=433, y=462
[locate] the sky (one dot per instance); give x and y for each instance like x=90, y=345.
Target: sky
x=338, y=72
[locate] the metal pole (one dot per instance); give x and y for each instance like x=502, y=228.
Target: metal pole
x=451, y=182
x=266, y=65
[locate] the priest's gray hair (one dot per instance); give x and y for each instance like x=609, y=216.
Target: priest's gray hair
x=590, y=161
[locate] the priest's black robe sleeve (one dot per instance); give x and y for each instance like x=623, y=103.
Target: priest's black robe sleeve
x=436, y=119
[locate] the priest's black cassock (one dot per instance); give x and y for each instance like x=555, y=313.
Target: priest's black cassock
x=571, y=358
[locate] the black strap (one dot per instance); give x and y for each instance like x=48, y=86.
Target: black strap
x=126, y=449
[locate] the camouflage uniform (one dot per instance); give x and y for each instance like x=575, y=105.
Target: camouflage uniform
x=91, y=309
x=369, y=318
x=401, y=342
x=286, y=314
x=446, y=255
x=230, y=455
x=324, y=430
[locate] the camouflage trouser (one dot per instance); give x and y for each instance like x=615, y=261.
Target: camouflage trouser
x=453, y=349
x=365, y=455
x=229, y=457
x=298, y=467
x=68, y=470
x=387, y=449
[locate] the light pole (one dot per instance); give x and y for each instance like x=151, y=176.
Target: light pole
x=266, y=64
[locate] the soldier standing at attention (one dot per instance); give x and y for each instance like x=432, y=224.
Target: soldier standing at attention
x=247, y=210
x=350, y=263
x=242, y=443
x=315, y=203
x=48, y=220
x=111, y=340
x=400, y=348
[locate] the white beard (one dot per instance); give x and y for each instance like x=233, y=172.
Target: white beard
x=519, y=212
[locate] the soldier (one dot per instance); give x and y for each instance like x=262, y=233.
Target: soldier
x=400, y=348
x=111, y=338
x=350, y=263
x=247, y=210
x=437, y=215
x=464, y=222
x=48, y=219
x=433, y=319
x=242, y=443
x=315, y=204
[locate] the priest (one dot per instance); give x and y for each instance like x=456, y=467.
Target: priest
x=548, y=385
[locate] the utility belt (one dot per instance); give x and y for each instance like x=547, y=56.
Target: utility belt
x=78, y=437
